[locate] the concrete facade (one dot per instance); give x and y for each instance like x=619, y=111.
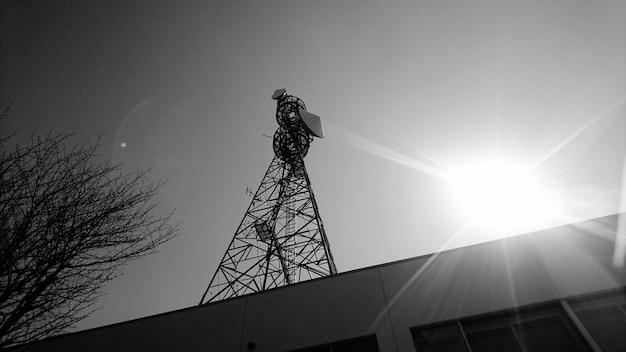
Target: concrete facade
x=558, y=267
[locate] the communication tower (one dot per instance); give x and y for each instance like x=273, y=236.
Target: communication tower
x=281, y=239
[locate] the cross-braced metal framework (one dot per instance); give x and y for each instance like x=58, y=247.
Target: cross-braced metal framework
x=281, y=239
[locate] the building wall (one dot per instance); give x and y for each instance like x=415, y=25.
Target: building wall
x=556, y=265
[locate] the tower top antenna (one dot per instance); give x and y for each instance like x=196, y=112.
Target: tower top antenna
x=297, y=127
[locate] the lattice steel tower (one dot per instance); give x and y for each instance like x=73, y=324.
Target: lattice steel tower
x=281, y=239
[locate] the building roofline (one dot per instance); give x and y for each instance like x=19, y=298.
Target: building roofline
x=373, y=267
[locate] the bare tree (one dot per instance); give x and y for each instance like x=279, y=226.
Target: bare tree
x=67, y=222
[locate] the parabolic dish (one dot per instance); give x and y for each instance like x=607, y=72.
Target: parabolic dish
x=278, y=93
x=312, y=123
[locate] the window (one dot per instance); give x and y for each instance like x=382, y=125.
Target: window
x=544, y=329
x=440, y=338
x=604, y=317
x=525, y=333
x=362, y=344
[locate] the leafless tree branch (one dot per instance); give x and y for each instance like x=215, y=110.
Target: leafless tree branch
x=67, y=224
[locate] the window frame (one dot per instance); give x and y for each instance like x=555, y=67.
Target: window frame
x=574, y=306
x=331, y=346
x=509, y=318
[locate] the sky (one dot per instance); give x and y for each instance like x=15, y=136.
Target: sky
x=408, y=92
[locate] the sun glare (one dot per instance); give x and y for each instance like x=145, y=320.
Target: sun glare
x=498, y=194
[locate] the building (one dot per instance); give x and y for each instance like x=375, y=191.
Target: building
x=551, y=290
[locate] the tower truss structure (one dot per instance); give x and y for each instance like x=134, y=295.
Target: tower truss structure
x=281, y=238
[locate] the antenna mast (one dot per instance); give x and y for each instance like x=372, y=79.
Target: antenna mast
x=281, y=238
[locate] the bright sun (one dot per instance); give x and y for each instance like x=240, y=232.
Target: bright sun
x=498, y=194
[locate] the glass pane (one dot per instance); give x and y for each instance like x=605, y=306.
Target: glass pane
x=365, y=345
x=325, y=348
x=446, y=338
x=607, y=326
x=496, y=340
x=548, y=334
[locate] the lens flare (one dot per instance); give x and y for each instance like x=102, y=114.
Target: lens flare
x=499, y=194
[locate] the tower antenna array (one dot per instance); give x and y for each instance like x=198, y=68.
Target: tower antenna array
x=281, y=238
